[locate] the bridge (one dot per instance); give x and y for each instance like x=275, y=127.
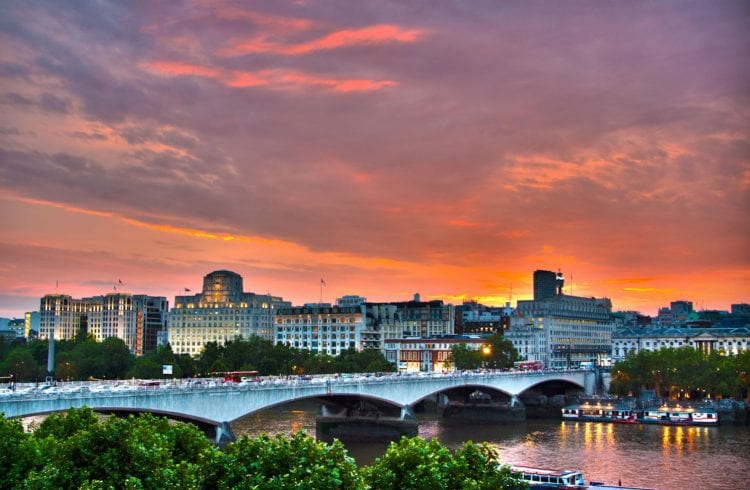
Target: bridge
x=218, y=406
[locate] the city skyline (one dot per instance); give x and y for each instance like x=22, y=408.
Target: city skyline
x=447, y=149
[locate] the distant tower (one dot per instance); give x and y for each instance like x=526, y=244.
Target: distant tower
x=545, y=285
x=559, y=282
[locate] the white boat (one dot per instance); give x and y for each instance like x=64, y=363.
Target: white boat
x=539, y=478
x=548, y=478
x=621, y=413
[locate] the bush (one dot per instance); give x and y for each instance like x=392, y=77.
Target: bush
x=428, y=465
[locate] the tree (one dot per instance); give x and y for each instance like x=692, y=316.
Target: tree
x=285, y=462
x=502, y=354
x=21, y=364
x=138, y=452
x=18, y=453
x=418, y=464
x=462, y=357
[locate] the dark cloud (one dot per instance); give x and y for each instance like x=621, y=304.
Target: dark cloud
x=52, y=103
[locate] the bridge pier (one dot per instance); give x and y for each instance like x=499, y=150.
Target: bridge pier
x=224, y=434
x=360, y=425
x=480, y=407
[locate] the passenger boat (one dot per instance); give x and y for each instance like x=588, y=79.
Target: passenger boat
x=542, y=478
x=612, y=411
x=678, y=415
x=547, y=478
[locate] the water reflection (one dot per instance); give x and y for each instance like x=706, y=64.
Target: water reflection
x=652, y=456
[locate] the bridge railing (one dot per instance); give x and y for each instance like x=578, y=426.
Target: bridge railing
x=131, y=388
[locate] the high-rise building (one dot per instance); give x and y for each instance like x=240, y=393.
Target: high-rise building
x=741, y=309
x=561, y=330
x=62, y=314
x=31, y=324
x=221, y=312
x=547, y=284
x=681, y=310
x=133, y=318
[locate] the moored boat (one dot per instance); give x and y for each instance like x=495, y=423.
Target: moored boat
x=618, y=412
x=545, y=478
x=549, y=478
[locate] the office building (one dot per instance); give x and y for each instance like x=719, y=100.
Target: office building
x=561, y=330
x=221, y=312
x=135, y=319
x=321, y=328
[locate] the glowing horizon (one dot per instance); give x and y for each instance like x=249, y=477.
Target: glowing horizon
x=385, y=150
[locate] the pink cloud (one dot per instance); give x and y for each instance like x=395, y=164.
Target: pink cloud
x=274, y=79
x=377, y=34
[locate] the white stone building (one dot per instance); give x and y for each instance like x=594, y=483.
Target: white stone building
x=634, y=340
x=221, y=312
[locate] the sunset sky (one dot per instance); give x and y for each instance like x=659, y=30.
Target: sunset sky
x=446, y=148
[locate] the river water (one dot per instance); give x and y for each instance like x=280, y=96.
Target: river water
x=653, y=456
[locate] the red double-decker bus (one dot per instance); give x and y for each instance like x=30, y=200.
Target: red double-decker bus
x=237, y=376
x=528, y=365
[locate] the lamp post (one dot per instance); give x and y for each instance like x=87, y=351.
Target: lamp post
x=486, y=352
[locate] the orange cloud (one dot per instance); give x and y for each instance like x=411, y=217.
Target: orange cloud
x=242, y=79
x=378, y=34
x=274, y=79
x=462, y=223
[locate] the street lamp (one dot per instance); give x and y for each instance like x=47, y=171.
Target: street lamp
x=486, y=351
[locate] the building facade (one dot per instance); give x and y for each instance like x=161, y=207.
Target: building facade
x=61, y=314
x=404, y=319
x=634, y=340
x=426, y=354
x=562, y=331
x=221, y=312
x=135, y=319
x=475, y=318
x=31, y=324
x=321, y=328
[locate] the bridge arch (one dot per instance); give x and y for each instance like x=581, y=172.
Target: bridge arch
x=557, y=384
x=339, y=398
x=218, y=431
x=464, y=389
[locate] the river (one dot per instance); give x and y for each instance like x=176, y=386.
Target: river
x=653, y=456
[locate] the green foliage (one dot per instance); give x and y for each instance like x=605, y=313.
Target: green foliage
x=144, y=452
x=84, y=358
x=684, y=372
x=502, y=353
x=81, y=450
x=296, y=462
x=21, y=364
x=496, y=353
x=428, y=465
x=18, y=453
x=257, y=354
x=462, y=357
x=150, y=364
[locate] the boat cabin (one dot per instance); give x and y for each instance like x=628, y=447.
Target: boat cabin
x=541, y=477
